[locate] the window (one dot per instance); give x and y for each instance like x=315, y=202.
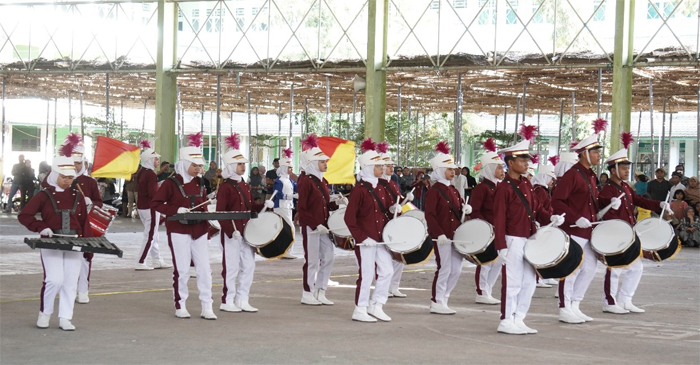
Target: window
x=435, y=4
x=599, y=15
x=538, y=16
x=460, y=4
x=195, y=20
x=26, y=139
x=146, y=7
x=195, y=13
x=254, y=11
x=663, y=6
x=219, y=15
x=240, y=12
x=209, y=23
x=511, y=16
x=488, y=12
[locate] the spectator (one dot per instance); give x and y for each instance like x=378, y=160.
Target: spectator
x=270, y=178
x=164, y=171
x=44, y=170
x=602, y=180
x=132, y=189
x=421, y=185
x=255, y=181
x=680, y=169
x=676, y=183
x=692, y=191
x=689, y=230
x=678, y=204
x=211, y=173
x=471, y=181
x=18, y=171
x=27, y=184
x=395, y=177
x=407, y=180
x=640, y=186
x=460, y=182
x=659, y=187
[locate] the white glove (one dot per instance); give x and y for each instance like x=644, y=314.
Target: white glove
x=237, y=235
x=369, y=242
x=395, y=208
x=212, y=202
x=664, y=206
x=557, y=220
x=583, y=223
x=409, y=196
x=467, y=209
x=88, y=201
x=269, y=204
x=46, y=232
x=211, y=195
x=321, y=229
x=443, y=240
x=336, y=197
x=182, y=210
x=616, y=202
x=342, y=201
x=295, y=196
x=503, y=254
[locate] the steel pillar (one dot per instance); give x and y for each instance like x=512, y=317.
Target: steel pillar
x=166, y=82
x=375, y=91
x=622, y=71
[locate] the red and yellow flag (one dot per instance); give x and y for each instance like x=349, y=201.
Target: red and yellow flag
x=341, y=166
x=115, y=159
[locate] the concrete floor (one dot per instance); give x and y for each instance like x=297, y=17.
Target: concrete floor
x=130, y=318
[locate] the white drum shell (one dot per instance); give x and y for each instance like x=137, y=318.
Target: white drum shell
x=473, y=236
x=547, y=247
x=612, y=237
x=263, y=229
x=336, y=223
x=404, y=234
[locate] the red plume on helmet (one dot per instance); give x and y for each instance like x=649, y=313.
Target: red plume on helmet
x=145, y=144
x=195, y=140
x=233, y=141
x=73, y=139
x=368, y=145
x=309, y=142
x=443, y=147
x=535, y=159
x=572, y=145
x=66, y=150
x=554, y=160
x=599, y=125
x=490, y=145
x=626, y=138
x=287, y=152
x=382, y=147
x=528, y=132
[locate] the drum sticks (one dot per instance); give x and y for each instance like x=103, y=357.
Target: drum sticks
x=405, y=200
x=271, y=197
x=65, y=235
x=607, y=208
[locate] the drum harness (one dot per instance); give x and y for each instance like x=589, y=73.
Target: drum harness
x=379, y=201
x=323, y=193
x=191, y=197
x=444, y=195
x=590, y=187
x=65, y=213
x=526, y=204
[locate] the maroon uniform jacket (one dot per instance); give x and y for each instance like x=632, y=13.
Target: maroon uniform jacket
x=169, y=197
x=363, y=215
x=629, y=201
x=481, y=200
x=89, y=187
x=147, y=182
x=511, y=218
x=391, y=188
x=573, y=197
x=542, y=195
x=41, y=203
x=234, y=196
x=314, y=203
x=443, y=215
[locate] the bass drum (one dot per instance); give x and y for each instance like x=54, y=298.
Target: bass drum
x=474, y=240
x=269, y=234
x=339, y=232
x=659, y=239
x=552, y=255
x=407, y=240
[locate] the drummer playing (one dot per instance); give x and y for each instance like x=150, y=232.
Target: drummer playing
x=188, y=242
x=482, y=205
x=444, y=209
x=517, y=212
x=366, y=217
x=238, y=260
x=394, y=193
x=313, y=209
x=61, y=268
x=619, y=167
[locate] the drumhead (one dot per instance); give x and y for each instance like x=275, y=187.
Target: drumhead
x=406, y=234
x=546, y=247
x=612, y=237
x=263, y=229
x=336, y=223
x=473, y=236
x=654, y=234
x=416, y=214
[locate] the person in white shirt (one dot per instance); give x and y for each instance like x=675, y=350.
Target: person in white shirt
x=459, y=182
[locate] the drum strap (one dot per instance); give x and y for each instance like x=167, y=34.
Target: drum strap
x=240, y=192
x=65, y=213
x=590, y=187
x=371, y=191
x=320, y=189
x=528, y=209
x=630, y=206
x=182, y=190
x=449, y=201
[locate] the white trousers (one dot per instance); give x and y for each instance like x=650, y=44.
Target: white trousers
x=84, y=277
x=61, y=269
x=318, y=259
x=518, y=280
x=286, y=214
x=449, y=267
x=238, y=263
x=398, y=271
x=630, y=282
x=185, y=250
x=150, y=220
x=574, y=287
x=371, y=261
x=486, y=276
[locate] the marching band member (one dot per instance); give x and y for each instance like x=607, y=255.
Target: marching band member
x=147, y=186
x=63, y=211
x=285, y=188
x=482, y=208
x=238, y=261
x=576, y=195
x=517, y=213
x=563, y=163
x=619, y=167
x=542, y=182
x=443, y=212
x=313, y=208
x=366, y=217
x=187, y=239
x=394, y=193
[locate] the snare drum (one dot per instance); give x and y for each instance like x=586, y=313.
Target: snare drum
x=615, y=243
x=269, y=234
x=416, y=214
x=101, y=219
x=340, y=234
x=474, y=240
x=407, y=239
x=551, y=253
x=659, y=239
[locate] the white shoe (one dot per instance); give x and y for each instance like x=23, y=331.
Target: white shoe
x=395, y=293
x=376, y=311
x=439, y=308
x=64, y=324
x=632, y=308
x=182, y=313
x=321, y=297
x=615, y=309
x=577, y=311
x=567, y=316
x=551, y=281
x=308, y=299
x=43, y=320
x=229, y=308
x=360, y=315
x=520, y=324
x=245, y=306
x=333, y=283
x=83, y=297
x=161, y=264
x=486, y=299
x=142, y=267
x=542, y=284
x=208, y=314
x=507, y=326
x=288, y=256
